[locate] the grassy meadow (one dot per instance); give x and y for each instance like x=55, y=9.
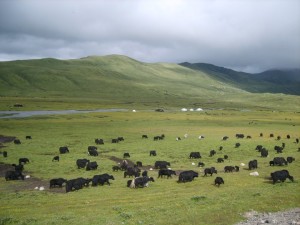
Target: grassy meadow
x=119, y=81
x=165, y=201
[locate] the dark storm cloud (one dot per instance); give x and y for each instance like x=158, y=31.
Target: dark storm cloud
x=249, y=35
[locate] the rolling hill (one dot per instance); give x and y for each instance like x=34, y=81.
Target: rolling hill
x=119, y=80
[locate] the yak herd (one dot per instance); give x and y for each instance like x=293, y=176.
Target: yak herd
x=141, y=179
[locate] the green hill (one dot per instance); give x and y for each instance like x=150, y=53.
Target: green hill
x=121, y=81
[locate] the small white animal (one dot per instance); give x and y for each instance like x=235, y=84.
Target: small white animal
x=42, y=188
x=254, y=174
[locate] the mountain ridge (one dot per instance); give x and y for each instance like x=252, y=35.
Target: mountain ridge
x=285, y=81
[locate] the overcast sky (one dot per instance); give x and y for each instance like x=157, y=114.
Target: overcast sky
x=246, y=35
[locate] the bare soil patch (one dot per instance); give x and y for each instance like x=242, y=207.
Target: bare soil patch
x=5, y=139
x=31, y=183
x=130, y=163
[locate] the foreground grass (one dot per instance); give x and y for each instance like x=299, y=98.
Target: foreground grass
x=164, y=201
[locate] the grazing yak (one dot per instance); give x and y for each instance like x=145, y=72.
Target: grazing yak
x=28, y=137
x=102, y=179
x=195, y=155
x=4, y=154
x=264, y=152
x=161, y=164
x=76, y=184
x=278, y=149
x=126, y=155
x=212, y=153
x=201, y=164
x=124, y=165
x=114, y=140
x=139, y=164
x=187, y=176
x=17, y=141
x=91, y=166
x=252, y=164
x=145, y=173
x=278, y=161
x=120, y=138
x=99, y=141
x=290, y=159
x=259, y=148
x=237, y=145
x=165, y=172
x=157, y=138
x=278, y=138
x=55, y=158
x=144, y=136
x=57, y=182
x=132, y=171
x=140, y=182
x=92, y=151
x=220, y=160
x=281, y=176
x=14, y=175
x=239, y=135
x=229, y=169
x=63, y=150
x=219, y=181
x=152, y=153
x=225, y=138
x=81, y=163
x=201, y=137
x=210, y=171
x=116, y=168
x=19, y=167
x=23, y=160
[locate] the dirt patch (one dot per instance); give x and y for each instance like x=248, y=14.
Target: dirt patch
x=119, y=161
x=130, y=163
x=4, y=168
x=31, y=183
x=5, y=139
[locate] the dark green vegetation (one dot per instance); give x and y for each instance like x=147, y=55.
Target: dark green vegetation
x=165, y=201
x=119, y=81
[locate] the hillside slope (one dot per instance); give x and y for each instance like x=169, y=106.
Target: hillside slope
x=121, y=80
x=271, y=81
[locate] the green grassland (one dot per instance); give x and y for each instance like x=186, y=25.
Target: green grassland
x=120, y=82
x=165, y=201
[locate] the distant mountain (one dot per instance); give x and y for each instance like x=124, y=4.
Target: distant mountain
x=271, y=81
x=117, y=80
x=279, y=76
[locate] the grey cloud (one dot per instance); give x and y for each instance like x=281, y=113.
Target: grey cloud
x=249, y=35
